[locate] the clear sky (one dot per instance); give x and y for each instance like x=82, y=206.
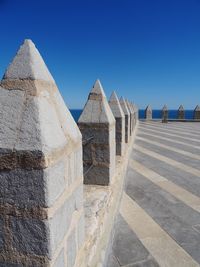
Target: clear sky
x=146, y=50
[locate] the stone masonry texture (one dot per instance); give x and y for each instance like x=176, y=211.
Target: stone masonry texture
x=181, y=113
x=197, y=113
x=120, y=123
x=148, y=113
x=97, y=125
x=127, y=118
x=41, y=173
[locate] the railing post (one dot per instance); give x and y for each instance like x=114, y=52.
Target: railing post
x=41, y=176
x=98, y=121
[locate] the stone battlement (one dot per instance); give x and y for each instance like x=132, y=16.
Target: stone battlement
x=60, y=182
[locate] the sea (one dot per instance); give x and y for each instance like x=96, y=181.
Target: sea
x=156, y=114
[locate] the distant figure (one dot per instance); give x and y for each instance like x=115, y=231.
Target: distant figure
x=148, y=113
x=181, y=113
x=165, y=114
x=197, y=113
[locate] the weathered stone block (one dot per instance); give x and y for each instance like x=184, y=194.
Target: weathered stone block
x=1, y=233
x=60, y=261
x=22, y=188
x=148, y=113
x=98, y=174
x=181, y=113
x=30, y=236
x=81, y=231
x=127, y=118
x=97, y=125
x=120, y=123
x=60, y=222
x=197, y=113
x=71, y=249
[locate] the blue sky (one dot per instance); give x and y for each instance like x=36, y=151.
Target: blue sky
x=146, y=50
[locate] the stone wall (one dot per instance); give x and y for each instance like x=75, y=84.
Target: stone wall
x=47, y=217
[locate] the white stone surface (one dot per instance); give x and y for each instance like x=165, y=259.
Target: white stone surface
x=97, y=110
x=124, y=106
x=115, y=106
x=28, y=64
x=41, y=122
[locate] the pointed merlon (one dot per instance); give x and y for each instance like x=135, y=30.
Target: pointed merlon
x=28, y=64
x=197, y=108
x=148, y=113
x=181, y=107
x=41, y=122
x=97, y=109
x=115, y=106
x=148, y=107
x=164, y=108
x=124, y=106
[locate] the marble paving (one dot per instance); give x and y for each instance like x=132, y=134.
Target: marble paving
x=158, y=223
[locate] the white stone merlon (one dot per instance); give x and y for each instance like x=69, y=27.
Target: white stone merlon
x=164, y=113
x=97, y=124
x=41, y=161
x=120, y=123
x=28, y=64
x=181, y=113
x=127, y=118
x=131, y=116
x=197, y=113
x=148, y=113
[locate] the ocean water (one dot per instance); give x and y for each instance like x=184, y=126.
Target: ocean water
x=156, y=114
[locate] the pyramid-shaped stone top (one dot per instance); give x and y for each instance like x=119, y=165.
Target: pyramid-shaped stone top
x=28, y=64
x=124, y=106
x=181, y=107
x=148, y=108
x=97, y=109
x=197, y=108
x=115, y=106
x=129, y=106
x=164, y=108
x=34, y=123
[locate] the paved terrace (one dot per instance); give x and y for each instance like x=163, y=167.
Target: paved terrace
x=159, y=221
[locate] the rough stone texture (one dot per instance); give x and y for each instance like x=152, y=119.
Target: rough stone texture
x=20, y=68
x=120, y=123
x=164, y=114
x=197, y=113
x=71, y=249
x=131, y=116
x=148, y=113
x=97, y=125
x=41, y=170
x=60, y=261
x=181, y=113
x=127, y=118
